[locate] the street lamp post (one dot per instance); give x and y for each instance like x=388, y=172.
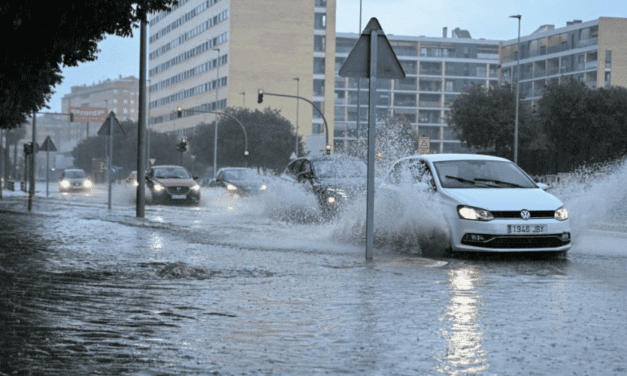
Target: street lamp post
x=215, y=137
x=243, y=94
x=517, y=92
x=297, y=95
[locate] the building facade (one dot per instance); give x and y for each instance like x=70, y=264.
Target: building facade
x=119, y=95
x=206, y=55
x=437, y=71
x=592, y=52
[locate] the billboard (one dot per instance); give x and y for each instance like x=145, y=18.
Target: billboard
x=89, y=114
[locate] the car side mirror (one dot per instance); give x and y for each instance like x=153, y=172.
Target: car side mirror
x=542, y=186
x=304, y=175
x=195, y=177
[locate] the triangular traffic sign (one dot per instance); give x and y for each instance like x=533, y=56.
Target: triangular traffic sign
x=357, y=63
x=111, y=120
x=48, y=145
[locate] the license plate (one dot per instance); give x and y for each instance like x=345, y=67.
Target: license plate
x=526, y=229
x=179, y=197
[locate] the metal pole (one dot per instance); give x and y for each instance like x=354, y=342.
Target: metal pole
x=357, y=126
x=31, y=190
x=110, y=164
x=297, y=94
x=2, y=160
x=215, y=137
x=142, y=155
x=47, y=172
x=517, y=93
x=371, y=145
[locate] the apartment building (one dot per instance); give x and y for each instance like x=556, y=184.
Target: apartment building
x=120, y=95
x=437, y=70
x=206, y=55
x=592, y=52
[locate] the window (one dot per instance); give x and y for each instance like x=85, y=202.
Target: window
x=405, y=100
x=318, y=88
x=320, y=43
x=608, y=59
x=318, y=65
x=320, y=21
x=409, y=67
x=432, y=132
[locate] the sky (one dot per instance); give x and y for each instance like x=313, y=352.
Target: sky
x=488, y=19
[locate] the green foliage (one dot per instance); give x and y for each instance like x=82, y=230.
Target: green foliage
x=485, y=120
x=271, y=140
x=41, y=37
x=162, y=149
x=583, y=125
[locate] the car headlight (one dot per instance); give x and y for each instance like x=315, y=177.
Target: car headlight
x=331, y=200
x=231, y=187
x=263, y=187
x=159, y=187
x=474, y=214
x=561, y=214
x=64, y=184
x=87, y=184
x=196, y=188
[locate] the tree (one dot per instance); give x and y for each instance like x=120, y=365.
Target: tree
x=162, y=149
x=583, y=125
x=40, y=37
x=13, y=136
x=271, y=139
x=484, y=119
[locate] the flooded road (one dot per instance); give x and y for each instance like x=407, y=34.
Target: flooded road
x=225, y=288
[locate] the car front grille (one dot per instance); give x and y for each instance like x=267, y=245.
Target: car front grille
x=519, y=242
x=535, y=214
x=178, y=190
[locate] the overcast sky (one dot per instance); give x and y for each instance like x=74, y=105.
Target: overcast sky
x=487, y=19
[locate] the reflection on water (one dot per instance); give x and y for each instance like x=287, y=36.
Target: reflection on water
x=465, y=353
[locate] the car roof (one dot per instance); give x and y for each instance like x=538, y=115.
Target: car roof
x=456, y=157
x=73, y=169
x=237, y=168
x=329, y=157
x=167, y=166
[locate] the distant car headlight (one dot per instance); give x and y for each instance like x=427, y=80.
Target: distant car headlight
x=87, y=184
x=135, y=183
x=159, y=187
x=474, y=214
x=231, y=187
x=196, y=188
x=561, y=214
x=65, y=184
x=331, y=200
x=263, y=187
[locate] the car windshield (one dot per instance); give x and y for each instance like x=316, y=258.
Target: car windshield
x=340, y=168
x=481, y=174
x=171, y=173
x=240, y=175
x=74, y=174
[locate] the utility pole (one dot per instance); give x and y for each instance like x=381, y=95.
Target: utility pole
x=215, y=137
x=297, y=95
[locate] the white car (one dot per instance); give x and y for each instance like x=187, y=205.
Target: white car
x=489, y=203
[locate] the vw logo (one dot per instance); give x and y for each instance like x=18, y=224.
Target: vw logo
x=524, y=214
x=178, y=189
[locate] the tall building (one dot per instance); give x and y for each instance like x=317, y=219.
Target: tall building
x=206, y=55
x=592, y=52
x=119, y=95
x=437, y=70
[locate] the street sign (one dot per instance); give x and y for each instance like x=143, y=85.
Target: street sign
x=293, y=156
x=423, y=145
x=88, y=114
x=357, y=63
x=111, y=119
x=48, y=145
x=372, y=57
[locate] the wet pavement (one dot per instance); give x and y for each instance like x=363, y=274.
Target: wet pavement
x=226, y=289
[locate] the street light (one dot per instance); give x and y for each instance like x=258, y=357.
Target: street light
x=517, y=92
x=297, y=94
x=215, y=137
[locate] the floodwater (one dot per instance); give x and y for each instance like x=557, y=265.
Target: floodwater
x=246, y=287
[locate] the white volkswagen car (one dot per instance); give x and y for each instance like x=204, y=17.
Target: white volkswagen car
x=490, y=204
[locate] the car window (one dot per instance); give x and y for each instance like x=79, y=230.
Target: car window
x=305, y=168
x=294, y=167
x=340, y=168
x=481, y=174
x=171, y=173
x=74, y=174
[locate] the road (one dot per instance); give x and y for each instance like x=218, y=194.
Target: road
x=236, y=286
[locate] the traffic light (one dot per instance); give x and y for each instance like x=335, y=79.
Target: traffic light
x=260, y=96
x=179, y=112
x=71, y=117
x=28, y=148
x=182, y=145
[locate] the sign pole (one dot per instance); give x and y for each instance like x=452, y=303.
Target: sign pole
x=31, y=189
x=47, y=173
x=110, y=161
x=372, y=103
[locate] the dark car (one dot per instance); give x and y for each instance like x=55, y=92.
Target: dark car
x=333, y=179
x=240, y=181
x=172, y=184
x=74, y=180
